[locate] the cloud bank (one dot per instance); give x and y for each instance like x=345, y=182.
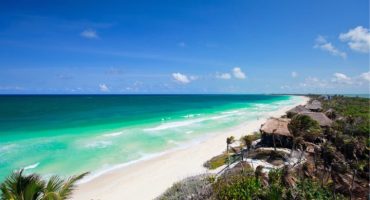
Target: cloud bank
x=238, y=73
x=103, y=87
x=323, y=44
x=358, y=39
x=181, y=78
x=89, y=34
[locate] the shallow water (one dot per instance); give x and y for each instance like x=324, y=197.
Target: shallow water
x=66, y=135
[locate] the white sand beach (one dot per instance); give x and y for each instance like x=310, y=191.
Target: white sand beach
x=149, y=178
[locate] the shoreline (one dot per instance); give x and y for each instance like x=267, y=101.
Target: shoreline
x=157, y=173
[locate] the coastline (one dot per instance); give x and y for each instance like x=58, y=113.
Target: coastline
x=158, y=173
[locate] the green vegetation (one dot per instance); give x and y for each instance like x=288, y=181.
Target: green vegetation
x=31, y=187
x=336, y=164
x=224, y=158
x=353, y=112
x=229, y=141
x=344, y=155
x=246, y=185
x=275, y=186
x=248, y=139
x=197, y=187
x=237, y=187
x=217, y=161
x=302, y=126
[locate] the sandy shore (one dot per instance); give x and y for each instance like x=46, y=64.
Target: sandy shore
x=149, y=178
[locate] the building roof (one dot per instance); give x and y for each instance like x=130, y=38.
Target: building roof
x=321, y=118
x=314, y=105
x=330, y=110
x=298, y=109
x=277, y=126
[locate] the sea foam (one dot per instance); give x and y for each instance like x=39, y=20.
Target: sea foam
x=177, y=124
x=113, y=134
x=31, y=166
x=99, y=144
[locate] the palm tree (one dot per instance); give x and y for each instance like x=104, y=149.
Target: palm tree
x=350, y=120
x=356, y=149
x=31, y=187
x=328, y=156
x=247, y=140
x=338, y=167
x=302, y=125
x=316, y=157
x=287, y=177
x=229, y=141
x=17, y=186
x=300, y=144
x=259, y=172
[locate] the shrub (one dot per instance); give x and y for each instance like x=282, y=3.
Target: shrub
x=237, y=187
x=248, y=139
x=309, y=189
x=195, y=188
x=216, y=161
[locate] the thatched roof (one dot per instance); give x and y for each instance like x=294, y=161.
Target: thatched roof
x=330, y=111
x=315, y=105
x=319, y=117
x=277, y=126
x=298, y=109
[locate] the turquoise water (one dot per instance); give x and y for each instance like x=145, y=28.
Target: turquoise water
x=66, y=135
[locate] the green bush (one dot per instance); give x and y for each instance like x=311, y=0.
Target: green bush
x=195, y=188
x=237, y=187
x=248, y=139
x=308, y=189
x=216, y=161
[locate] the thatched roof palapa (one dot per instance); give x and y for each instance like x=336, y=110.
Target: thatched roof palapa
x=277, y=126
x=298, y=109
x=315, y=105
x=321, y=118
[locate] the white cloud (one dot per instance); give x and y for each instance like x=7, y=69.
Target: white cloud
x=365, y=76
x=285, y=87
x=313, y=82
x=323, y=44
x=341, y=78
x=89, y=34
x=181, y=78
x=336, y=82
x=103, y=87
x=10, y=88
x=238, y=73
x=193, y=78
x=294, y=74
x=358, y=39
x=224, y=76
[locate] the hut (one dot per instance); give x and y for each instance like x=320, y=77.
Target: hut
x=331, y=114
x=321, y=118
x=296, y=110
x=275, y=130
x=314, y=106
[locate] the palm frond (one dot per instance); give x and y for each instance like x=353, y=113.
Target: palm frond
x=69, y=186
x=18, y=186
x=55, y=183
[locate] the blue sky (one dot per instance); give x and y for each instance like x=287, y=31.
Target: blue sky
x=213, y=46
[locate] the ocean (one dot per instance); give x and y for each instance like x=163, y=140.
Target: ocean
x=71, y=134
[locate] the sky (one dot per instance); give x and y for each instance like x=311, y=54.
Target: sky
x=177, y=47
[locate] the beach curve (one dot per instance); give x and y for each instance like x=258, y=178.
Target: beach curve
x=157, y=173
